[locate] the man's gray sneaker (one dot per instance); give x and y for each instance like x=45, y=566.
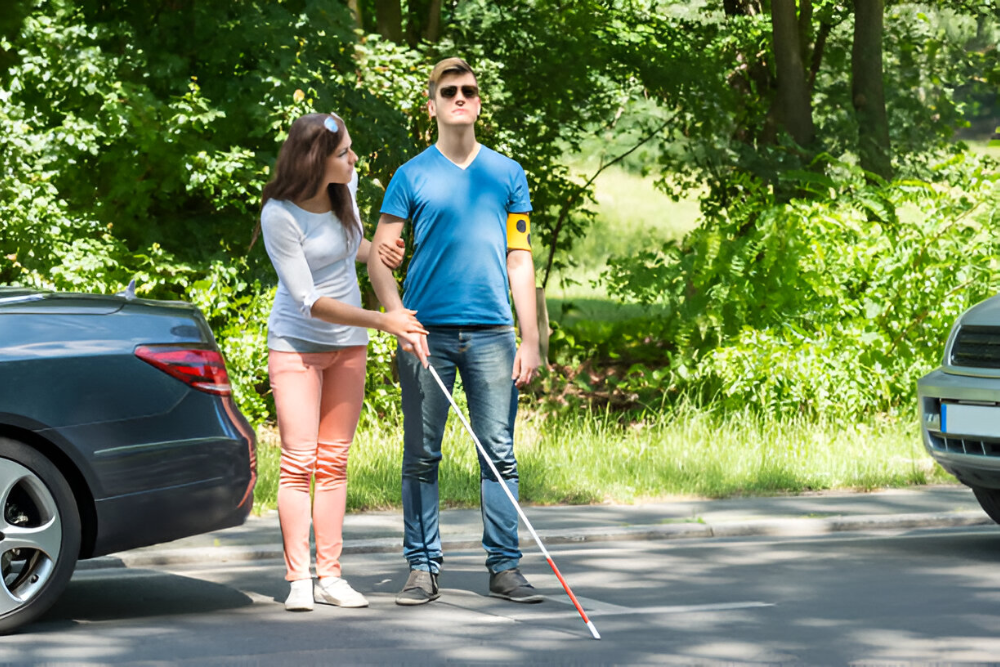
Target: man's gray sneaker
x=511, y=585
x=421, y=587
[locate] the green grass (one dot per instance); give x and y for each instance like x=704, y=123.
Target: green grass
x=983, y=148
x=590, y=301
x=632, y=215
x=580, y=458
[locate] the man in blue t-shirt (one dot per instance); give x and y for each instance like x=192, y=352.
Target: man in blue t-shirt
x=468, y=208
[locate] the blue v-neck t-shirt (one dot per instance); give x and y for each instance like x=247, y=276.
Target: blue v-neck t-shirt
x=458, y=272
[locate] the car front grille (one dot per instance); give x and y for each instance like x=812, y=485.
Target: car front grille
x=970, y=446
x=977, y=347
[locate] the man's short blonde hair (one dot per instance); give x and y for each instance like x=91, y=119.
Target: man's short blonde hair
x=446, y=66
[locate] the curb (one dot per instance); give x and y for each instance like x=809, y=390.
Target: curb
x=805, y=527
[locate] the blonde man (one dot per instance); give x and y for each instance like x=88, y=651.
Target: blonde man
x=468, y=207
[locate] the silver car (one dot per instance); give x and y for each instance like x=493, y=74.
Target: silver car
x=960, y=404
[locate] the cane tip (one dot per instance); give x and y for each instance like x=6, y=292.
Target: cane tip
x=593, y=630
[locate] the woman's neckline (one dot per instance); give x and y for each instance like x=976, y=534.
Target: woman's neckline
x=305, y=210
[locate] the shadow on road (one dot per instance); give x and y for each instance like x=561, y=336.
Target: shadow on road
x=136, y=594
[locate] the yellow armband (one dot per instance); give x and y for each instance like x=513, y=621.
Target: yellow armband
x=518, y=232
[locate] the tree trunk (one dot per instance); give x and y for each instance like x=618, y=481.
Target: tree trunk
x=389, y=19
x=542, y=315
x=816, y=58
x=792, y=108
x=432, y=32
x=355, y=7
x=423, y=21
x=867, y=90
x=805, y=29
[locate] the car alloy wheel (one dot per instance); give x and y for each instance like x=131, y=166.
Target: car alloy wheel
x=39, y=534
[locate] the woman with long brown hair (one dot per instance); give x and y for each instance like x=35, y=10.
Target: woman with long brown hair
x=317, y=343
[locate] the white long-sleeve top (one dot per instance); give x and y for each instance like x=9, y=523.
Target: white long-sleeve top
x=314, y=257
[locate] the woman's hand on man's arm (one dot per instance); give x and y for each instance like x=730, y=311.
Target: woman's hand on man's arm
x=391, y=254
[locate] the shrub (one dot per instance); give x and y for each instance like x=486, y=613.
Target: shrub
x=835, y=301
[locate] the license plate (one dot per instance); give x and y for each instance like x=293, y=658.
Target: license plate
x=977, y=420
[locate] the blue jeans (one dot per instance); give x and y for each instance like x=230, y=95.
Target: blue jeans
x=485, y=358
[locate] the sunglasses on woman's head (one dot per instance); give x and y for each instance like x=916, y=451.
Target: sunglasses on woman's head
x=468, y=92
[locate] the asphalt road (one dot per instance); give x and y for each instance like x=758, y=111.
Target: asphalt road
x=909, y=595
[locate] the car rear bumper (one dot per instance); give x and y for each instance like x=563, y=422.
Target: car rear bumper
x=154, y=517
x=177, y=488
x=972, y=457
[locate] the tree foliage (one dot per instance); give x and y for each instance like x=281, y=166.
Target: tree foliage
x=135, y=139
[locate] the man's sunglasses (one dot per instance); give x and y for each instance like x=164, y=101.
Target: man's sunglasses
x=468, y=92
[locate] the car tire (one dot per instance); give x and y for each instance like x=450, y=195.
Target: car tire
x=989, y=500
x=39, y=534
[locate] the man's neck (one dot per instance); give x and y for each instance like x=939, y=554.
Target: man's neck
x=458, y=144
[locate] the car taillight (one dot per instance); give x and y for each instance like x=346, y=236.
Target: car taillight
x=202, y=369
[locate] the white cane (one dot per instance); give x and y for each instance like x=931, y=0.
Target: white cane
x=517, y=506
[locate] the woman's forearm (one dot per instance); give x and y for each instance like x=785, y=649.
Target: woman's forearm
x=363, y=251
x=337, y=312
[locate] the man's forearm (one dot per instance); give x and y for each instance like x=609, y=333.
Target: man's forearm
x=382, y=280
x=384, y=283
x=521, y=271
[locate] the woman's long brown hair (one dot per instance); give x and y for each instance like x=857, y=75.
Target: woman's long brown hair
x=301, y=165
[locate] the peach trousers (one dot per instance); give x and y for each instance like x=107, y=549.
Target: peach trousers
x=318, y=399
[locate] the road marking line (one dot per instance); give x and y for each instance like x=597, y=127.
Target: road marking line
x=594, y=607
x=626, y=611
x=683, y=609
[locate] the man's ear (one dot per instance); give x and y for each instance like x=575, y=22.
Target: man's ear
x=430, y=108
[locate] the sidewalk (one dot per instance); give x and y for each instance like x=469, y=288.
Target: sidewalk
x=812, y=514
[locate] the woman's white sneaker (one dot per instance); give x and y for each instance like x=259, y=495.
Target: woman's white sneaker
x=336, y=591
x=300, y=598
